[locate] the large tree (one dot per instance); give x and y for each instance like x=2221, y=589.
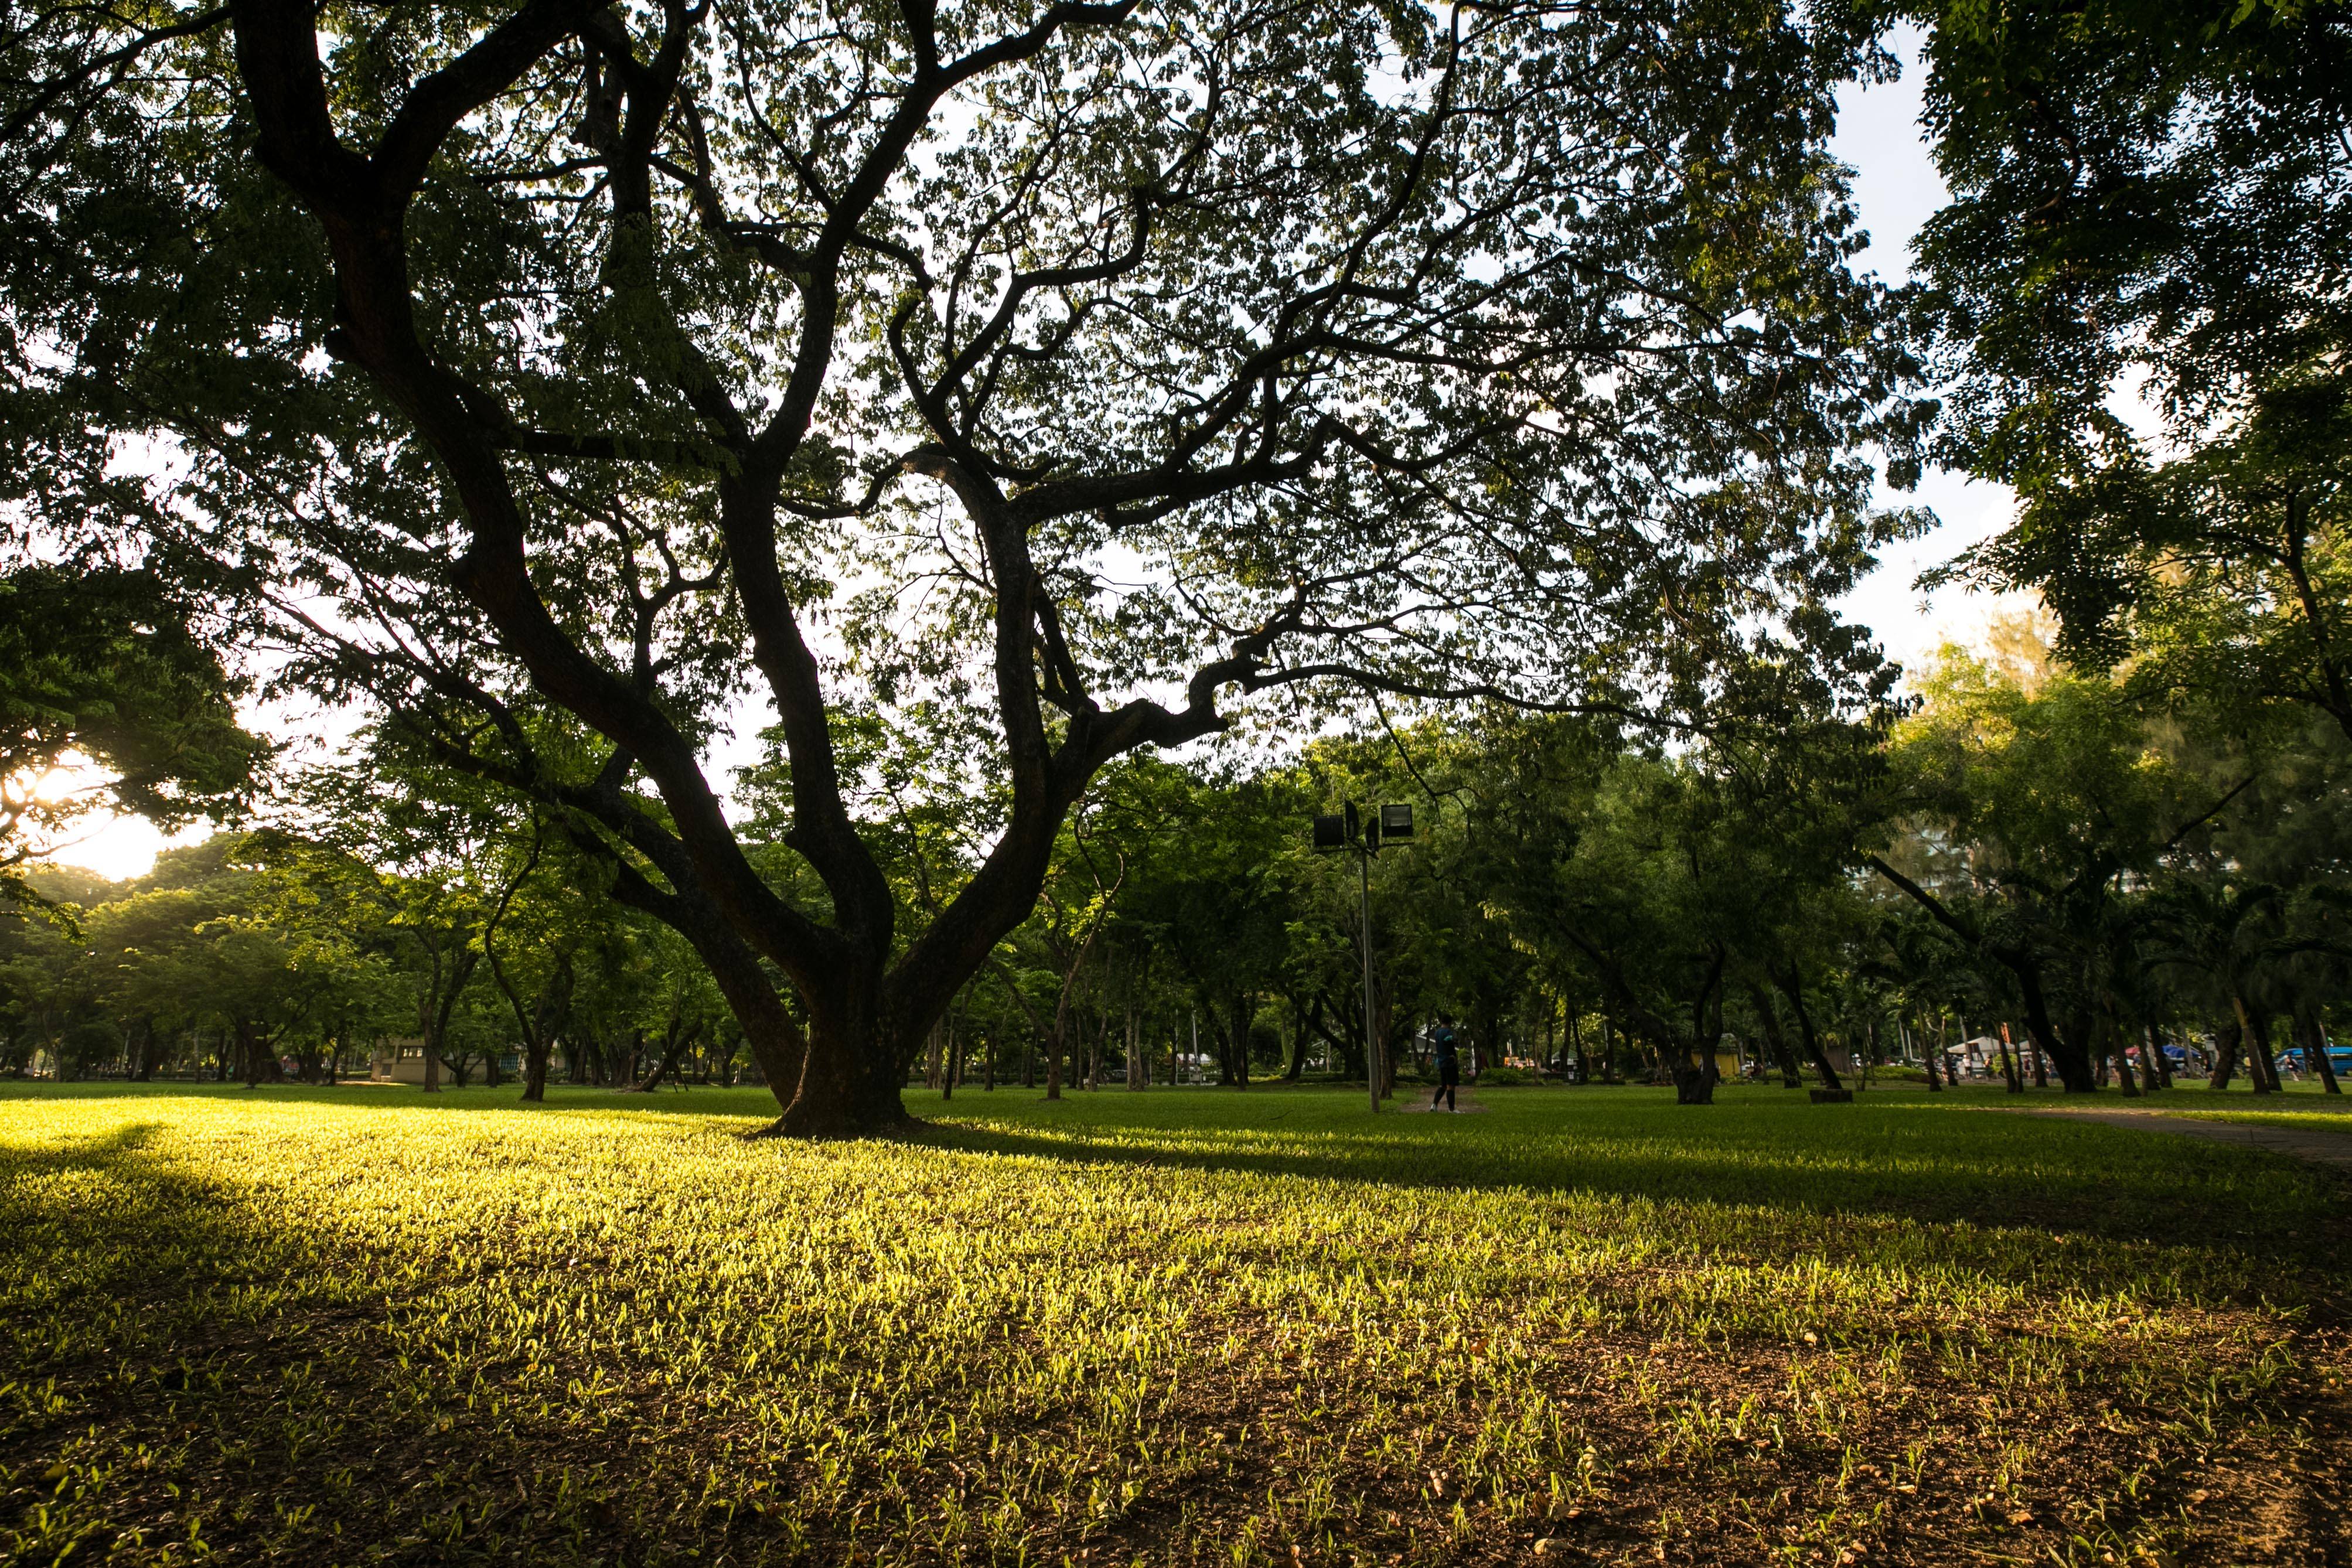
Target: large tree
x=585, y=371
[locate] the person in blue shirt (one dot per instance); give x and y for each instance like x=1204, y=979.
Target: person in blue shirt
x=1449, y=1062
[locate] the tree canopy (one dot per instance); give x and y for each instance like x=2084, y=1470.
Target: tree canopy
x=99, y=669
x=561, y=373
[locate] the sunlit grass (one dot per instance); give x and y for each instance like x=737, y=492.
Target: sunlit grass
x=1181, y=1327
x=2319, y=1115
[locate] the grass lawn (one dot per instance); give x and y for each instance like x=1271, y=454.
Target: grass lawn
x=1184, y=1327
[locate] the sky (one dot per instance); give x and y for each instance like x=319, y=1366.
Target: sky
x=1896, y=188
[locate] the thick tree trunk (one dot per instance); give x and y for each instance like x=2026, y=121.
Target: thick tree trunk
x=1693, y=1081
x=852, y=1078
x=1793, y=987
x=2226, y=1041
x=2072, y=1057
x=1768, y=1018
x=2257, y=1039
x=2126, y=1077
x=853, y=1066
x=674, y=1047
x=2314, y=1040
x=254, y=1056
x=2115, y=1043
x=1244, y=1011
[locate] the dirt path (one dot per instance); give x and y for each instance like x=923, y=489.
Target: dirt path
x=2302, y=1142
x=1466, y=1101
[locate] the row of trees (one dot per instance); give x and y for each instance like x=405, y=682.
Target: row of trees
x=263, y=958
x=2082, y=855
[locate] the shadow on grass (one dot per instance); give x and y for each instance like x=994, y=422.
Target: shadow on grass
x=182, y=1366
x=1900, y=1155
x=95, y=1154
x=1996, y=1171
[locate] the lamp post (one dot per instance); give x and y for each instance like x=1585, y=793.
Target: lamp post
x=1349, y=831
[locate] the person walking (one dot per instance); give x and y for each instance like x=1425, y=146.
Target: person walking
x=1449, y=1062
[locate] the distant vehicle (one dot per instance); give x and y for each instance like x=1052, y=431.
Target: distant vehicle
x=2339, y=1059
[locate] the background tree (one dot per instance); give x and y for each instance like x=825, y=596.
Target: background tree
x=2153, y=194
x=99, y=669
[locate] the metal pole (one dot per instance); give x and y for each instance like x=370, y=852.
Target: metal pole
x=1371, y=1035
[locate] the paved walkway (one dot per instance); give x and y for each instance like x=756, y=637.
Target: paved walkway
x=2302, y=1142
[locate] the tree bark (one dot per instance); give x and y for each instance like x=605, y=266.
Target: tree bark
x=2257, y=1026
x=1768, y=1018
x=676, y=1041
x=1245, y=1014
x=2115, y=1043
x=2314, y=1047
x=1793, y=987
x=2226, y=1041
